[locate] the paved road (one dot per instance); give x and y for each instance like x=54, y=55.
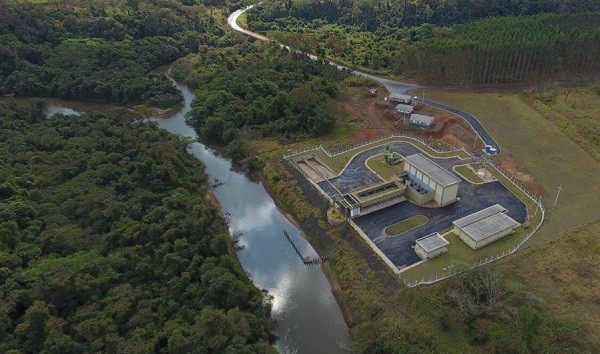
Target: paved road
x=394, y=86
x=471, y=119
x=473, y=197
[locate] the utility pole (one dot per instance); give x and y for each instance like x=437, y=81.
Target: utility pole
x=557, y=194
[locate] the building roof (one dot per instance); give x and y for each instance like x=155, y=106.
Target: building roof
x=486, y=223
x=377, y=190
x=432, y=242
x=431, y=169
x=481, y=214
x=404, y=108
x=399, y=96
x=421, y=119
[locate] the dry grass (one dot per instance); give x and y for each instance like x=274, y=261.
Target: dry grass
x=543, y=151
x=566, y=273
x=574, y=110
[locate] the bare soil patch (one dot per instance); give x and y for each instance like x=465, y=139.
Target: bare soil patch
x=510, y=165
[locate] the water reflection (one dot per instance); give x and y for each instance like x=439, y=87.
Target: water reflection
x=309, y=319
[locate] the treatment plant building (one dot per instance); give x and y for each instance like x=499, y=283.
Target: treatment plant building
x=370, y=198
x=420, y=120
x=485, y=226
x=430, y=246
x=426, y=181
x=399, y=98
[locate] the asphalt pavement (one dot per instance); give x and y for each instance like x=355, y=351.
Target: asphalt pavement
x=473, y=197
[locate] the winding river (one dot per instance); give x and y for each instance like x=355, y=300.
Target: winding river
x=309, y=320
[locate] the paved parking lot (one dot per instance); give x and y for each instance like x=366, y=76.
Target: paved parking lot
x=398, y=249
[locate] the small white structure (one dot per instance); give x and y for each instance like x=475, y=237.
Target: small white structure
x=427, y=181
x=422, y=121
x=399, y=98
x=404, y=108
x=430, y=246
x=485, y=226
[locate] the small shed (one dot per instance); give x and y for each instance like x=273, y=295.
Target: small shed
x=404, y=108
x=373, y=92
x=430, y=246
x=399, y=98
x=422, y=121
x=485, y=226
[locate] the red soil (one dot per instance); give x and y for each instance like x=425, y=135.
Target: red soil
x=510, y=165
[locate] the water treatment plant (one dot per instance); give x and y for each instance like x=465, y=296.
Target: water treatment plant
x=412, y=204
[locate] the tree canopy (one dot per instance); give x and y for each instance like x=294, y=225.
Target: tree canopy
x=486, y=51
x=255, y=89
x=99, y=50
x=109, y=243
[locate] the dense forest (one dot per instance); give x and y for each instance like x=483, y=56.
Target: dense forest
x=492, y=50
x=109, y=242
x=371, y=15
x=99, y=50
x=247, y=89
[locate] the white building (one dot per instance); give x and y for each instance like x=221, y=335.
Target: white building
x=430, y=246
x=422, y=121
x=485, y=226
x=427, y=181
x=404, y=108
x=399, y=98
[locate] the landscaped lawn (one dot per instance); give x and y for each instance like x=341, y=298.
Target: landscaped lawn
x=338, y=162
x=468, y=174
x=461, y=255
x=384, y=171
x=405, y=225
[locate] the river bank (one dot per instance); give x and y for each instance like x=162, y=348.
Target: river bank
x=293, y=218
x=308, y=317
x=304, y=306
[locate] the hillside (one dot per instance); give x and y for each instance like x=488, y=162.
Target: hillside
x=100, y=50
x=478, y=50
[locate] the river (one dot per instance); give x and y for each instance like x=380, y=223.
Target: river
x=309, y=320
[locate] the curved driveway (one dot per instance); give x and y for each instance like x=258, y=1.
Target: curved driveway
x=393, y=86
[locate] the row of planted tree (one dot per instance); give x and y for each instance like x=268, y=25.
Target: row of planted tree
x=494, y=50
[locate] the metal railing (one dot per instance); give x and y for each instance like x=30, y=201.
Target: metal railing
x=446, y=274
x=379, y=139
x=537, y=200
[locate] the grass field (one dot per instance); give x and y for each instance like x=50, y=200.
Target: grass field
x=379, y=308
x=386, y=172
x=405, y=225
x=566, y=273
x=543, y=151
x=468, y=174
x=574, y=110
